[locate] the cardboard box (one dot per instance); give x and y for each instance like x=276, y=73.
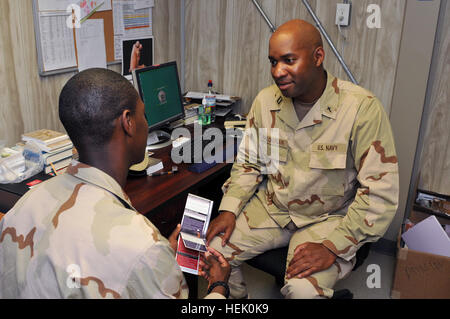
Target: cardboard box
x=420, y=275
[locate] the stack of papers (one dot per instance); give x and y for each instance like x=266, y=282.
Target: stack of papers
x=200, y=96
x=428, y=236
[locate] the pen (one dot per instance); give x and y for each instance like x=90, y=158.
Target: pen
x=54, y=169
x=173, y=171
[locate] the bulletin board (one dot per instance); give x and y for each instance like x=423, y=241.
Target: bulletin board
x=63, y=54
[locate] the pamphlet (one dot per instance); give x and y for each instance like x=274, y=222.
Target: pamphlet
x=192, y=240
x=187, y=259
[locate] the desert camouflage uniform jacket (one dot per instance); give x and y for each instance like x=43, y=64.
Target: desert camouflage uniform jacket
x=74, y=237
x=340, y=159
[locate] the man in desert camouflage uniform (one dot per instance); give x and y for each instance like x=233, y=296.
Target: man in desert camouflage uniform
x=335, y=182
x=78, y=235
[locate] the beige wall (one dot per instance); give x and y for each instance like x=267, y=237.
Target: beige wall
x=29, y=101
x=434, y=166
x=410, y=93
x=227, y=41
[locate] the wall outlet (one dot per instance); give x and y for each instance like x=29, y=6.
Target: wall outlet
x=343, y=14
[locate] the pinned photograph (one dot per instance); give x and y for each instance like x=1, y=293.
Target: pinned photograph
x=136, y=54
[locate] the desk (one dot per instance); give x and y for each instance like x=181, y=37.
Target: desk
x=162, y=198
x=152, y=196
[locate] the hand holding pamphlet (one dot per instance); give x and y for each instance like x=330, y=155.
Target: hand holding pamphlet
x=192, y=240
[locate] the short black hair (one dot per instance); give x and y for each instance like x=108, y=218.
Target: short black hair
x=91, y=101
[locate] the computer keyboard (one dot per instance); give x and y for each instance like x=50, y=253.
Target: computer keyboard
x=204, y=154
x=196, y=147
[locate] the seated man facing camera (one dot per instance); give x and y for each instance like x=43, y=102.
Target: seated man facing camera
x=77, y=234
x=331, y=183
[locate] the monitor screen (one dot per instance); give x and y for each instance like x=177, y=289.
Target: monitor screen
x=159, y=88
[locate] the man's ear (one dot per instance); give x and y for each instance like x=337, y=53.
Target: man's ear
x=127, y=122
x=319, y=56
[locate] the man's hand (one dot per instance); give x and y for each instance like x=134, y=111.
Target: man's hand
x=136, y=56
x=224, y=223
x=308, y=259
x=214, y=267
x=173, y=238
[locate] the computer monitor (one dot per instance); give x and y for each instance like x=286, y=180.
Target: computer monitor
x=159, y=88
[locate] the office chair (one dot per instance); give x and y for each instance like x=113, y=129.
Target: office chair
x=265, y=262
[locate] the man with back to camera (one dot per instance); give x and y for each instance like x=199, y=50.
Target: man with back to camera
x=77, y=234
x=336, y=184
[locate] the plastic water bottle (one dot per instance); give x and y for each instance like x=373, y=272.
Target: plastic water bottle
x=204, y=113
x=211, y=101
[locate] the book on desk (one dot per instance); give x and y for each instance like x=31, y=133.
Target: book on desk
x=48, y=140
x=56, y=147
x=44, y=136
x=58, y=155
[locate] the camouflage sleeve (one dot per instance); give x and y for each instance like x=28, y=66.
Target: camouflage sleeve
x=376, y=200
x=157, y=275
x=246, y=171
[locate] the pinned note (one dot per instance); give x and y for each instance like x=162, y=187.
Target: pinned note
x=91, y=45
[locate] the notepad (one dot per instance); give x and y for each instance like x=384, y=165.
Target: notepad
x=91, y=45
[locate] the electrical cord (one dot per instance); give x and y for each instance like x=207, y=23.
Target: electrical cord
x=340, y=31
